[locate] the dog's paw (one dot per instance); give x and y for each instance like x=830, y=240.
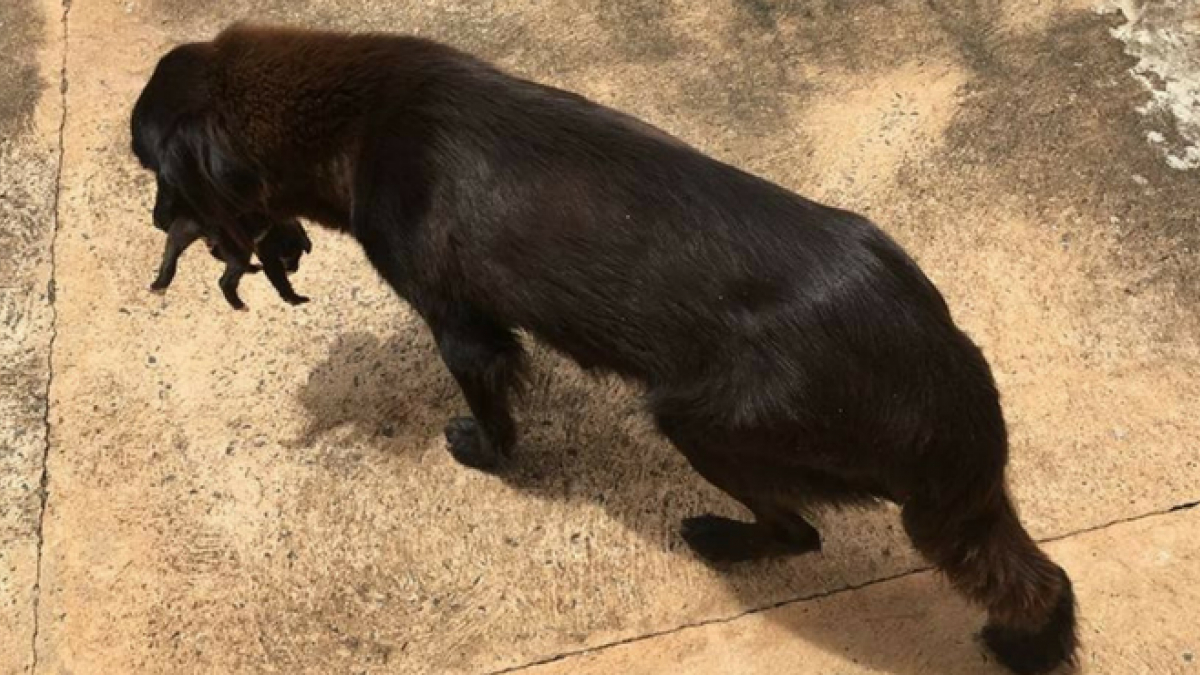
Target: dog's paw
x=296, y=300
x=469, y=446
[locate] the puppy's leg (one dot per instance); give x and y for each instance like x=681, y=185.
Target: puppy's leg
x=229, y=285
x=180, y=236
x=777, y=530
x=275, y=271
x=237, y=264
x=486, y=360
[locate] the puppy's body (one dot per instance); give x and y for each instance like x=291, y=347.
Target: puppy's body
x=181, y=234
x=790, y=350
x=279, y=250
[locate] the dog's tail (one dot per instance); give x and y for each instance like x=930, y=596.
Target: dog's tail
x=987, y=555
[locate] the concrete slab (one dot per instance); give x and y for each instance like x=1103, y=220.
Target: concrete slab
x=1135, y=580
x=269, y=491
x=30, y=117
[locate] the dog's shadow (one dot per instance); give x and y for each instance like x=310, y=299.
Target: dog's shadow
x=586, y=438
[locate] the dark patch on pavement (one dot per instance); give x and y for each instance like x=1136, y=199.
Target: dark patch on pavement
x=640, y=28
x=760, y=12
x=973, y=25
x=1055, y=119
x=21, y=26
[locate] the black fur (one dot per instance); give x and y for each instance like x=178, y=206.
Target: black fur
x=1028, y=652
x=790, y=350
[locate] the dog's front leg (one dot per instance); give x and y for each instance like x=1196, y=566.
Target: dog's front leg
x=486, y=360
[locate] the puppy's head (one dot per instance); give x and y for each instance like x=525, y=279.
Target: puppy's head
x=292, y=242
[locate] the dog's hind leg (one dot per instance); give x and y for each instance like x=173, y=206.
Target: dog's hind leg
x=777, y=530
x=486, y=359
x=979, y=543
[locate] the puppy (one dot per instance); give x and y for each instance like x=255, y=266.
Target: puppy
x=279, y=247
x=279, y=251
x=790, y=350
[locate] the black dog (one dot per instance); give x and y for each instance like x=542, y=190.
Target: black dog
x=790, y=350
x=279, y=247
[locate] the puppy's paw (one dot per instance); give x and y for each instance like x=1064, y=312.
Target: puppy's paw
x=158, y=289
x=469, y=445
x=296, y=299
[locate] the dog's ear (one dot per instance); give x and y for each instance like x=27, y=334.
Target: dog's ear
x=202, y=155
x=178, y=87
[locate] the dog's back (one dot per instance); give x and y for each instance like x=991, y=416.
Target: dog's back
x=633, y=252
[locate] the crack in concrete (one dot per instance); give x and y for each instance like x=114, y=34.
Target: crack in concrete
x=51, y=295
x=1186, y=506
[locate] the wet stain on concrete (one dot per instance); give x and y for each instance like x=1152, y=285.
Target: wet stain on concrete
x=973, y=26
x=21, y=26
x=1076, y=140
x=641, y=27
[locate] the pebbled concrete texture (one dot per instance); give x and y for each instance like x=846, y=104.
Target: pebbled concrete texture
x=269, y=492
x=30, y=115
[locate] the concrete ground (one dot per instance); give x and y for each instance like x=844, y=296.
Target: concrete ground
x=184, y=488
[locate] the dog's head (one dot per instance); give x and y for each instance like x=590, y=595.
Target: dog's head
x=176, y=135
